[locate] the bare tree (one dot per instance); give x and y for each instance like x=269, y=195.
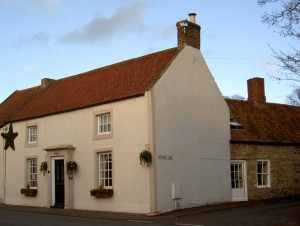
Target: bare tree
x=294, y=98
x=286, y=20
x=235, y=97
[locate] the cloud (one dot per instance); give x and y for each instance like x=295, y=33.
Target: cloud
x=42, y=4
x=126, y=19
x=41, y=38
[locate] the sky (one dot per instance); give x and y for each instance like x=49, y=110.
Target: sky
x=60, y=38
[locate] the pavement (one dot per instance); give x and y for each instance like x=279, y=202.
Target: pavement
x=144, y=217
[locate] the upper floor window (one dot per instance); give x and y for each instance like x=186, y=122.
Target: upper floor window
x=263, y=173
x=31, y=135
x=103, y=124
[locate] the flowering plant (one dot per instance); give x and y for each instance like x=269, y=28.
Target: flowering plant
x=146, y=156
x=71, y=167
x=43, y=167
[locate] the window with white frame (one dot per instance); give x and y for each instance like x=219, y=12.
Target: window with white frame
x=32, y=134
x=32, y=172
x=104, y=123
x=105, y=170
x=263, y=173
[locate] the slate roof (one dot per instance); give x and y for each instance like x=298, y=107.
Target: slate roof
x=119, y=81
x=265, y=123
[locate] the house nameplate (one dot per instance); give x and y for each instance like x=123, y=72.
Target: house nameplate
x=165, y=157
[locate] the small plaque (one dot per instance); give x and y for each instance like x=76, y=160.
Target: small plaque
x=165, y=157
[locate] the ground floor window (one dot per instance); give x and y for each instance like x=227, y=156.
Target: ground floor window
x=32, y=173
x=105, y=169
x=263, y=173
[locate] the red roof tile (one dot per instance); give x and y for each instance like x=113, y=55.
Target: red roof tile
x=265, y=123
x=14, y=102
x=111, y=83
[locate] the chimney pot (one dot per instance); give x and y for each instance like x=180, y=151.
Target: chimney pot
x=256, y=90
x=188, y=32
x=193, y=17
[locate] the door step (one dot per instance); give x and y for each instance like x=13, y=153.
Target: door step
x=58, y=206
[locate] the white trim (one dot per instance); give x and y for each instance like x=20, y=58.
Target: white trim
x=244, y=163
x=104, y=135
x=53, y=177
x=269, y=172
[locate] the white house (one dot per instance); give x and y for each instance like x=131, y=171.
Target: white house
x=166, y=102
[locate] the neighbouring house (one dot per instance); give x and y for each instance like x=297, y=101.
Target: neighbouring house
x=265, y=146
x=99, y=122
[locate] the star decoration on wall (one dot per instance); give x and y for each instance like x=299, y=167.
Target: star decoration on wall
x=9, y=138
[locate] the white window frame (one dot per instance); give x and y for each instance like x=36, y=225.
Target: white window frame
x=31, y=139
x=103, y=119
x=105, y=169
x=104, y=123
x=32, y=134
x=32, y=173
x=263, y=174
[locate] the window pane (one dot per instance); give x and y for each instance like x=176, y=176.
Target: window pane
x=263, y=173
x=105, y=170
x=32, y=134
x=104, y=125
x=32, y=172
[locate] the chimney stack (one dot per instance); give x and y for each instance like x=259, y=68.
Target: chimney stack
x=256, y=90
x=46, y=82
x=188, y=32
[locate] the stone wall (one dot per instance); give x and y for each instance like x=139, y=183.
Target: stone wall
x=284, y=169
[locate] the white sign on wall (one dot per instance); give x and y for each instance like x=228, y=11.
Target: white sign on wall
x=165, y=157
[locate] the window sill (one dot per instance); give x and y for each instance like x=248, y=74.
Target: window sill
x=31, y=145
x=263, y=187
x=102, y=193
x=103, y=136
x=29, y=191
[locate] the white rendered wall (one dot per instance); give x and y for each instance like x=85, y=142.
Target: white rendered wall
x=191, y=124
x=130, y=179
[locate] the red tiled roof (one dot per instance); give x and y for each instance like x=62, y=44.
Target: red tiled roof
x=14, y=102
x=111, y=83
x=265, y=123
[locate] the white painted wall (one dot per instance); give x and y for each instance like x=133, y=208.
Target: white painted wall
x=191, y=124
x=130, y=179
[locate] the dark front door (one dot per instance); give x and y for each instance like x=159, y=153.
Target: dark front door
x=59, y=183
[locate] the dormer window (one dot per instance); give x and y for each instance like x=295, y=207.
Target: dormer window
x=234, y=124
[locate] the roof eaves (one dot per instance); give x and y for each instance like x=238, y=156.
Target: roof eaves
x=273, y=143
x=26, y=101
x=75, y=109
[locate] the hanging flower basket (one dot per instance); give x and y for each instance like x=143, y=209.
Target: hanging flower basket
x=43, y=167
x=71, y=167
x=145, y=158
x=29, y=191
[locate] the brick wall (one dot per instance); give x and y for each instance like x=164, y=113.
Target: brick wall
x=284, y=169
x=189, y=34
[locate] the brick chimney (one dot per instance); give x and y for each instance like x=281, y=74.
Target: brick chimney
x=188, y=32
x=256, y=90
x=45, y=82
